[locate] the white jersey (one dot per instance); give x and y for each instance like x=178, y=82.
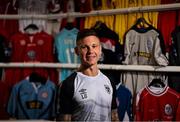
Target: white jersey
x=87, y=98
x=142, y=47
x=33, y=7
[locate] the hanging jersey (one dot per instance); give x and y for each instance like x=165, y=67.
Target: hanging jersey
x=142, y=47
x=65, y=42
x=87, y=98
x=33, y=7
x=156, y=104
x=30, y=48
x=124, y=97
x=4, y=52
x=123, y=22
x=28, y=101
x=100, y=5
x=165, y=28
x=178, y=113
x=4, y=94
x=83, y=6
x=10, y=25
x=112, y=51
x=174, y=59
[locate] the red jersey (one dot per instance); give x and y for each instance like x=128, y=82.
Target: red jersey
x=35, y=48
x=156, y=104
x=165, y=28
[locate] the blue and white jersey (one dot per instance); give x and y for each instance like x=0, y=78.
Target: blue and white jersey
x=65, y=42
x=87, y=98
x=28, y=101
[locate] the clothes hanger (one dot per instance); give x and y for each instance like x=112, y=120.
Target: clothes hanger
x=37, y=78
x=69, y=25
x=157, y=82
x=31, y=26
x=142, y=23
x=98, y=25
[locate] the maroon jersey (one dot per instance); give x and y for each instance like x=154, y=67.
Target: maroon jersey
x=178, y=113
x=156, y=104
x=4, y=94
x=6, y=7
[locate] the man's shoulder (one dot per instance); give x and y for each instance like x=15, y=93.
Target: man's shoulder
x=70, y=78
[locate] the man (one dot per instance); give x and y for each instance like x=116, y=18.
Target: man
x=87, y=94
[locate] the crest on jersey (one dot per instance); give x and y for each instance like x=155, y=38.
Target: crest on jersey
x=107, y=88
x=31, y=54
x=44, y=95
x=83, y=93
x=22, y=42
x=40, y=42
x=168, y=109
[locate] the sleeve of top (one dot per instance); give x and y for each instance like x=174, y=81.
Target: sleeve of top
x=158, y=55
x=66, y=91
x=12, y=103
x=178, y=112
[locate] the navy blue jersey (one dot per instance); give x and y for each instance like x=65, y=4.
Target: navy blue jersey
x=174, y=59
x=31, y=101
x=124, y=97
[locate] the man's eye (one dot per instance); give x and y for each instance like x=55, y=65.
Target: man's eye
x=83, y=47
x=94, y=46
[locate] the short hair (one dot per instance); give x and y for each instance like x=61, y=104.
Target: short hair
x=84, y=33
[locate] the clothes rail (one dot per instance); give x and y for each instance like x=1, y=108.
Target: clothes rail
x=143, y=68
x=162, y=7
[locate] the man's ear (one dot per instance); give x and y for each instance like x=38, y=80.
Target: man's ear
x=76, y=50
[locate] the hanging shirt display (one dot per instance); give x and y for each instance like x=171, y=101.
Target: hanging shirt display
x=65, y=42
x=4, y=95
x=112, y=51
x=142, y=47
x=7, y=8
x=156, y=104
x=174, y=59
x=123, y=22
x=34, y=48
x=124, y=100
x=30, y=100
x=165, y=28
x=32, y=7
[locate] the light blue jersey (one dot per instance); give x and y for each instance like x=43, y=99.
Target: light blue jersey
x=65, y=41
x=29, y=101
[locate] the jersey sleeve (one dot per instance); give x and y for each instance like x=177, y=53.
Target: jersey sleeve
x=66, y=91
x=12, y=102
x=178, y=112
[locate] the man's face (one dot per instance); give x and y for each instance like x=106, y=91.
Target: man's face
x=89, y=50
